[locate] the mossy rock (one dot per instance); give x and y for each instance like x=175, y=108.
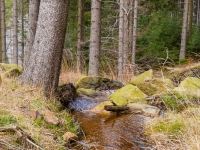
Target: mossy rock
x=10, y=70
x=14, y=72
x=96, y=82
x=87, y=92
x=7, y=67
x=189, y=87
x=145, y=108
x=147, y=75
x=156, y=86
x=100, y=107
x=128, y=94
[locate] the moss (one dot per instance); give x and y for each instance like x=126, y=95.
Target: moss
x=189, y=87
x=14, y=72
x=7, y=67
x=147, y=75
x=88, y=92
x=156, y=86
x=128, y=94
x=90, y=82
x=169, y=127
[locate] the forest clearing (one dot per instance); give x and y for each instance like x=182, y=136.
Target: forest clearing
x=99, y=75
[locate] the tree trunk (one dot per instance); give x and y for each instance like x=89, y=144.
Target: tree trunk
x=184, y=31
x=190, y=19
x=121, y=39
x=15, y=35
x=125, y=34
x=134, y=34
x=3, y=31
x=130, y=26
x=198, y=13
x=80, y=36
x=0, y=34
x=22, y=30
x=43, y=67
x=32, y=24
x=95, y=38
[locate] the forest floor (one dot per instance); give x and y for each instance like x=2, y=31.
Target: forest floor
x=176, y=130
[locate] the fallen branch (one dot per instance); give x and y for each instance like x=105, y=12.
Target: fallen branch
x=22, y=136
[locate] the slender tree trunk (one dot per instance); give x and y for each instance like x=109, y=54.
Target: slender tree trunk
x=0, y=34
x=198, y=13
x=43, y=68
x=184, y=31
x=3, y=31
x=125, y=47
x=32, y=24
x=190, y=19
x=95, y=38
x=22, y=30
x=15, y=35
x=130, y=26
x=80, y=36
x=121, y=40
x=134, y=33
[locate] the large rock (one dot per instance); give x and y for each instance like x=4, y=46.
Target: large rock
x=147, y=75
x=87, y=92
x=128, y=94
x=10, y=70
x=189, y=87
x=97, y=82
x=50, y=118
x=99, y=109
x=146, y=109
x=68, y=136
x=156, y=86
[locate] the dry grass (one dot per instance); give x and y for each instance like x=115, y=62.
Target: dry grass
x=17, y=102
x=176, y=131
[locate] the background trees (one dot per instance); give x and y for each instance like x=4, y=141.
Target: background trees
x=158, y=25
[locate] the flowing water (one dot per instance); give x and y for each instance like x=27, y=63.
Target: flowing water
x=123, y=132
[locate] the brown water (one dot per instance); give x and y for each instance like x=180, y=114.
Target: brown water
x=123, y=132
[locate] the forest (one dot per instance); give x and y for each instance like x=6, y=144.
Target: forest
x=71, y=71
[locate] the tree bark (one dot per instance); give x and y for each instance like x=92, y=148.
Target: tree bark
x=121, y=39
x=80, y=36
x=184, y=31
x=95, y=38
x=22, y=30
x=43, y=68
x=130, y=26
x=190, y=19
x=0, y=34
x=3, y=32
x=32, y=25
x=198, y=13
x=125, y=34
x=15, y=35
x=134, y=34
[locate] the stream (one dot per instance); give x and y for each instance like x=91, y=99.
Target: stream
x=123, y=132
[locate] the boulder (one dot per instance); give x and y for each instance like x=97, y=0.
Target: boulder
x=50, y=118
x=97, y=82
x=147, y=110
x=87, y=92
x=99, y=109
x=68, y=137
x=128, y=94
x=156, y=86
x=147, y=75
x=189, y=87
